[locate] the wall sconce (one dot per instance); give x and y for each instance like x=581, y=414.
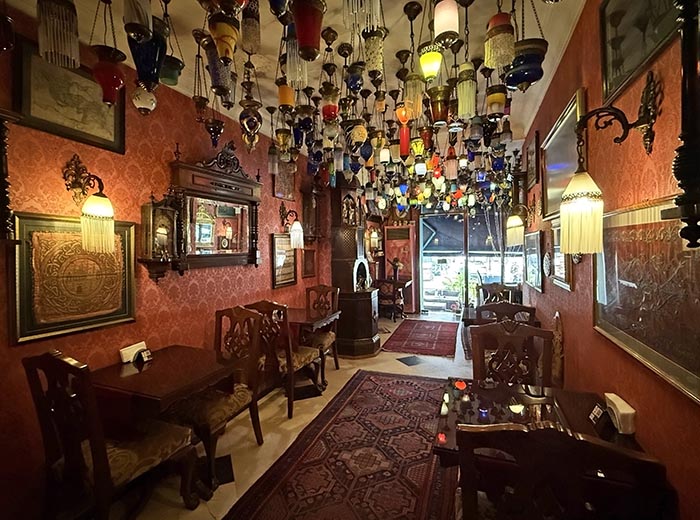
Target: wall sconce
x=581, y=209
x=290, y=221
x=97, y=218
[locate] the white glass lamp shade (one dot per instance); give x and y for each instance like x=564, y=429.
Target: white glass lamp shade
x=385, y=156
x=420, y=167
x=144, y=101
x=515, y=231
x=581, y=214
x=446, y=23
x=466, y=91
x=97, y=224
x=296, y=233
x=413, y=92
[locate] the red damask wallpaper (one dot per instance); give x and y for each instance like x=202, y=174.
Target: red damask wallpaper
x=667, y=421
x=177, y=309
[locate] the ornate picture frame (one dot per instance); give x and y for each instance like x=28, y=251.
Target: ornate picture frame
x=632, y=34
x=533, y=161
x=61, y=289
x=559, y=157
x=648, y=304
x=284, y=260
x=562, y=265
x=532, y=252
x=64, y=102
x=308, y=269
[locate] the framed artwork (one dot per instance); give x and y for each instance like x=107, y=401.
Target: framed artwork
x=633, y=32
x=533, y=260
x=533, y=161
x=562, y=265
x=60, y=288
x=647, y=293
x=309, y=264
x=559, y=154
x=283, y=182
x=65, y=102
x=284, y=260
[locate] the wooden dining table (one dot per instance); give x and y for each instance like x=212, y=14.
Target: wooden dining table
x=467, y=401
x=131, y=391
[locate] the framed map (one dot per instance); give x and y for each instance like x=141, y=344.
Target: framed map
x=648, y=295
x=65, y=102
x=60, y=288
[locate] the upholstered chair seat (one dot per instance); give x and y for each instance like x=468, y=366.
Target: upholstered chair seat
x=300, y=358
x=212, y=407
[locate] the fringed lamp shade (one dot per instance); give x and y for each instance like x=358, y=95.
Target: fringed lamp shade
x=515, y=231
x=466, y=91
x=499, y=46
x=581, y=216
x=97, y=224
x=414, y=87
x=58, y=33
x=296, y=67
x=296, y=232
x=250, y=28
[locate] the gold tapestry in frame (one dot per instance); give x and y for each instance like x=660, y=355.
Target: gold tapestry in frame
x=60, y=288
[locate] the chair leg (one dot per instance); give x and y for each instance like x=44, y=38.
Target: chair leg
x=290, y=394
x=335, y=355
x=210, y=440
x=186, y=463
x=324, y=382
x=255, y=419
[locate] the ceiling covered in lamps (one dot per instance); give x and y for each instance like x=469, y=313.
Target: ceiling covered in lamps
x=557, y=20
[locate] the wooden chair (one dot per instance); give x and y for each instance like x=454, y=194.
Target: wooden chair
x=390, y=297
x=237, y=341
x=85, y=470
x=281, y=353
x=515, y=357
x=547, y=472
x=502, y=310
x=321, y=301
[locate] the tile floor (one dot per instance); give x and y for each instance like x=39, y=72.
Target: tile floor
x=250, y=461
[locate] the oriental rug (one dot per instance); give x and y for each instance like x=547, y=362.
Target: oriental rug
x=367, y=455
x=427, y=338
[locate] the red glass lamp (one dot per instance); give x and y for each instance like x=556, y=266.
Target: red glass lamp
x=308, y=18
x=108, y=73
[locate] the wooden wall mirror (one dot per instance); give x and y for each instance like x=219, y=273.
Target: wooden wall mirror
x=218, y=217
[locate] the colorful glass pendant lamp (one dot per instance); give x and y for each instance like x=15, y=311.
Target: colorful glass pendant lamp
x=107, y=71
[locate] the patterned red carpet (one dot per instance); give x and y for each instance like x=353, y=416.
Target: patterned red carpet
x=428, y=338
x=366, y=456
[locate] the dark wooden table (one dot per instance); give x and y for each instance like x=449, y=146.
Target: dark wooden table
x=300, y=317
x=176, y=372
x=489, y=403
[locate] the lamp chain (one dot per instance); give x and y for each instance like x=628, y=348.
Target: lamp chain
x=537, y=19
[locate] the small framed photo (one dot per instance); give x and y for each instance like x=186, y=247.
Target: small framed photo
x=67, y=103
x=309, y=263
x=533, y=161
x=562, y=269
x=533, y=260
x=284, y=260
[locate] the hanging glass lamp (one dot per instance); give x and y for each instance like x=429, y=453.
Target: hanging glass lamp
x=225, y=31
x=108, y=73
x=250, y=28
x=446, y=22
x=439, y=104
x=171, y=70
x=374, y=51
x=149, y=55
x=144, y=100
x=527, y=64
x=58, y=33
x=138, y=24
x=414, y=89
x=499, y=46
x=495, y=101
x=430, y=59
x=308, y=18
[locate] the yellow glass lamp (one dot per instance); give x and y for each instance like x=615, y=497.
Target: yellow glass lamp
x=225, y=30
x=430, y=59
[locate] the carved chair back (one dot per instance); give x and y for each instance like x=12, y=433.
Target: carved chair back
x=274, y=331
x=237, y=341
x=493, y=292
x=321, y=300
x=67, y=410
x=505, y=310
x=514, y=356
x=550, y=472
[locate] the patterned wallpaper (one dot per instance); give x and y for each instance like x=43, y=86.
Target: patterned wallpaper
x=666, y=419
x=177, y=309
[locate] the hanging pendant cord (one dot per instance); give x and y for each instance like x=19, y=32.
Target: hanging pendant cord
x=537, y=18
